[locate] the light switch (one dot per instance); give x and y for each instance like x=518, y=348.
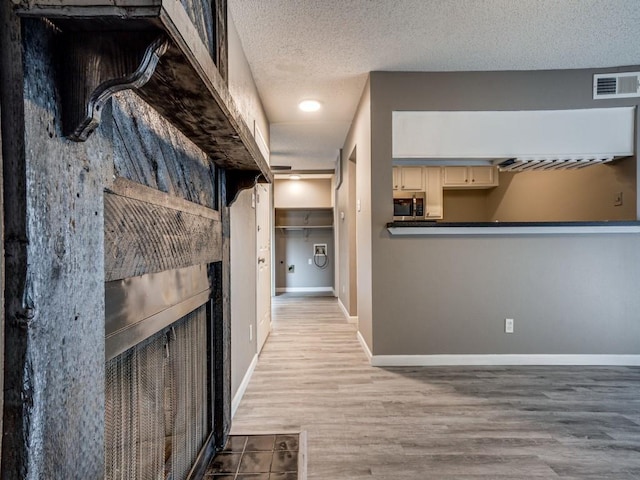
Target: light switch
x=617, y=199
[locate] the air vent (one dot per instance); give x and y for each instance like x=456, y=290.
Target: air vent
x=551, y=163
x=617, y=85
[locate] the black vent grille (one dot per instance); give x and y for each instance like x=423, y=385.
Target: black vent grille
x=607, y=86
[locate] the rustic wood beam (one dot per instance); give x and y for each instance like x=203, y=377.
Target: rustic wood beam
x=88, y=8
x=16, y=305
x=238, y=180
x=1, y=277
x=95, y=66
x=187, y=86
x=178, y=233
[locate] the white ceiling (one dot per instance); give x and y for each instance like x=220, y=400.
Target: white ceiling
x=323, y=49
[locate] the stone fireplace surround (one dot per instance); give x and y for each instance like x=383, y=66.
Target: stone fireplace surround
x=61, y=253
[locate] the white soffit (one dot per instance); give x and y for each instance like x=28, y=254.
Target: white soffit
x=539, y=134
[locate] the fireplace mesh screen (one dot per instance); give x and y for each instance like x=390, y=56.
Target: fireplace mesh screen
x=156, y=404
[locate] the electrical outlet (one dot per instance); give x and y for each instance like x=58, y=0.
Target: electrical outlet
x=250, y=332
x=617, y=199
x=309, y=261
x=508, y=325
x=291, y=268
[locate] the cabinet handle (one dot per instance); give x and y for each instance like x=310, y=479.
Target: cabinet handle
x=466, y=180
x=473, y=180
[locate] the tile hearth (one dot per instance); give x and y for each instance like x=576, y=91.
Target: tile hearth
x=257, y=457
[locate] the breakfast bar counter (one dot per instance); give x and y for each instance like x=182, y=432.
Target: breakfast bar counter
x=403, y=228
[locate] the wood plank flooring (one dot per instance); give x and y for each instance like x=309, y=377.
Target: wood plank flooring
x=439, y=423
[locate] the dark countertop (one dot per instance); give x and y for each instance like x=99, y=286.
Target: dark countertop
x=433, y=223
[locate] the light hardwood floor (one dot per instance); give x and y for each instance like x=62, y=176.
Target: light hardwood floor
x=443, y=423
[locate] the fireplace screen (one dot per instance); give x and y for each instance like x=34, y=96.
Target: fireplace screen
x=156, y=403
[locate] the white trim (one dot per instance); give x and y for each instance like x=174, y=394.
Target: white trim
x=350, y=319
x=365, y=347
x=237, y=398
x=516, y=230
x=478, y=360
x=304, y=289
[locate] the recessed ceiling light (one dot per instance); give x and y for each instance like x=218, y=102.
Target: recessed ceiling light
x=294, y=177
x=309, y=105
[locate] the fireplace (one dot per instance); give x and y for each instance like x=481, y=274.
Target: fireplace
x=162, y=332
x=158, y=386
x=145, y=194
x=156, y=416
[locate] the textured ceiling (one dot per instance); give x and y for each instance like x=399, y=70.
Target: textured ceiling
x=323, y=49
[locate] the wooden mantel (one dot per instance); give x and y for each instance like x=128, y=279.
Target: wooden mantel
x=183, y=83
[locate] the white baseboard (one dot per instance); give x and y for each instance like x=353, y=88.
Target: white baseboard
x=304, y=289
x=345, y=312
x=506, y=360
x=364, y=346
x=237, y=398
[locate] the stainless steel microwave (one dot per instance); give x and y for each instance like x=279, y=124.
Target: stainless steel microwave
x=408, y=205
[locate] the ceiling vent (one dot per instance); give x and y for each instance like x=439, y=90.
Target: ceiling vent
x=616, y=85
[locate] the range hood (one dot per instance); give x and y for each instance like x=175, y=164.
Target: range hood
x=514, y=140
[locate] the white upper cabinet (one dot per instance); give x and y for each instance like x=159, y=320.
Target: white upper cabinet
x=408, y=178
x=484, y=176
x=455, y=176
x=469, y=177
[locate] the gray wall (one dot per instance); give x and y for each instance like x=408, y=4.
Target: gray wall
x=360, y=139
x=346, y=283
x=359, y=225
x=567, y=293
x=295, y=247
x=243, y=219
x=243, y=287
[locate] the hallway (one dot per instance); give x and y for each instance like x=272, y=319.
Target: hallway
x=435, y=423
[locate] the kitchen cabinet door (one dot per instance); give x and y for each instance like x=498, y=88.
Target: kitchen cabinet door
x=411, y=178
x=483, y=176
x=433, y=181
x=470, y=177
x=455, y=176
x=408, y=178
